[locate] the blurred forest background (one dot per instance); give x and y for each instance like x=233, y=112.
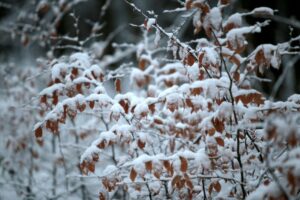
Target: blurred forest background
x=118, y=16
x=116, y=19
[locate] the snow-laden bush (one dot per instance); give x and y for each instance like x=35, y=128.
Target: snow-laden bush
x=184, y=123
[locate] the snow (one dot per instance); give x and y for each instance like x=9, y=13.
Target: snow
x=117, y=108
x=58, y=69
x=109, y=169
x=80, y=60
x=264, y=11
x=89, y=152
x=215, y=18
x=294, y=98
x=150, y=23
x=235, y=19
x=211, y=57
x=141, y=109
x=58, y=87
x=157, y=37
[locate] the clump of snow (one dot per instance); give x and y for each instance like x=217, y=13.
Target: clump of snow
x=150, y=23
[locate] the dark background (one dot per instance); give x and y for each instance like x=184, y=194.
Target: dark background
x=119, y=15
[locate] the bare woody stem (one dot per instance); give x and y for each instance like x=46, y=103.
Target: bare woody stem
x=239, y=156
x=171, y=36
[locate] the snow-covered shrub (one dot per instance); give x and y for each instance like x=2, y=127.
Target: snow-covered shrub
x=190, y=125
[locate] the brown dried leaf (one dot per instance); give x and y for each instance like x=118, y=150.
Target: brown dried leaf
x=292, y=139
x=141, y=144
x=91, y=167
x=125, y=105
x=189, y=103
x=184, y=164
x=292, y=180
x=220, y=141
x=217, y=186
x=74, y=71
x=190, y=60
x=118, y=85
x=102, y=144
x=188, y=182
x=158, y=121
x=197, y=91
x=176, y=180
x=133, y=174
x=218, y=124
x=151, y=108
x=38, y=132
x=101, y=196
x=92, y=104
x=148, y=165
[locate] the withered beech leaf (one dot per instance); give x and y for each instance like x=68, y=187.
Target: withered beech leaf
x=217, y=186
x=118, y=85
x=141, y=144
x=92, y=104
x=38, y=132
x=148, y=165
x=190, y=60
x=133, y=174
x=184, y=164
x=91, y=167
x=220, y=141
x=175, y=180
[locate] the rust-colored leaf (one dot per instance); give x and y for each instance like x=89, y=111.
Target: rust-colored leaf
x=91, y=166
x=118, y=85
x=260, y=57
x=211, y=131
x=158, y=121
x=38, y=132
x=151, y=107
x=218, y=124
x=95, y=157
x=148, y=165
x=292, y=139
x=54, y=98
x=188, y=182
x=81, y=107
x=184, y=164
x=141, y=144
x=78, y=88
x=74, y=71
x=196, y=91
x=133, y=174
x=175, y=181
x=220, y=141
x=190, y=60
x=143, y=63
x=102, y=144
x=217, y=186
x=292, y=180
x=168, y=167
x=125, y=105
x=92, y=104
x=189, y=103
x=101, y=196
